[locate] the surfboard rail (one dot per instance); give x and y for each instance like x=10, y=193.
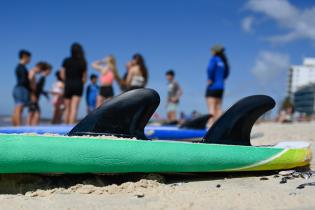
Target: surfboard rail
x=62, y=154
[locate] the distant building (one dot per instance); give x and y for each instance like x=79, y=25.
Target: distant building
x=304, y=99
x=300, y=76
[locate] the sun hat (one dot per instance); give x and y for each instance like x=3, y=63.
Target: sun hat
x=217, y=48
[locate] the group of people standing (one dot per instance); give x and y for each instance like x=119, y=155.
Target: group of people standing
x=136, y=76
x=72, y=76
x=29, y=88
x=69, y=86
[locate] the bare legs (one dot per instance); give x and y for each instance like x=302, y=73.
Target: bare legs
x=17, y=115
x=74, y=106
x=100, y=100
x=214, y=108
x=171, y=116
x=33, y=118
x=67, y=110
x=57, y=116
x=71, y=109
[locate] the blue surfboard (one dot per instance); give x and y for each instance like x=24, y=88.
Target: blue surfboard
x=152, y=132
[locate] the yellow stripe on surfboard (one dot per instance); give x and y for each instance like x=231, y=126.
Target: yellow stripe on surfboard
x=288, y=158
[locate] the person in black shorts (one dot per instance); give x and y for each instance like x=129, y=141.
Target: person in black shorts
x=217, y=71
x=74, y=73
x=108, y=73
x=21, y=91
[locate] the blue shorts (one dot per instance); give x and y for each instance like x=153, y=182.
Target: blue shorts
x=91, y=108
x=21, y=95
x=91, y=105
x=171, y=107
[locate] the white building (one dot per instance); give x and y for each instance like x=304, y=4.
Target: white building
x=301, y=75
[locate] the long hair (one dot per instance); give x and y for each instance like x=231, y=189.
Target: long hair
x=58, y=76
x=143, y=69
x=77, y=52
x=223, y=57
x=111, y=62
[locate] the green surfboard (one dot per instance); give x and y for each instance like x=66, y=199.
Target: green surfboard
x=225, y=147
x=61, y=154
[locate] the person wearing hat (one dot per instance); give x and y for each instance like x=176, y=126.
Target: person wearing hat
x=217, y=72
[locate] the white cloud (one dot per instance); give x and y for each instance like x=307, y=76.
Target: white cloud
x=298, y=23
x=270, y=65
x=247, y=23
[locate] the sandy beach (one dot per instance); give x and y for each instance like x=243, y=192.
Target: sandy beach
x=263, y=190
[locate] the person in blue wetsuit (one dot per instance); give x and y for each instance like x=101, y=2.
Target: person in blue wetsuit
x=92, y=93
x=217, y=71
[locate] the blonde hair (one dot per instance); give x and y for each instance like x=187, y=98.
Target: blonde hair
x=111, y=62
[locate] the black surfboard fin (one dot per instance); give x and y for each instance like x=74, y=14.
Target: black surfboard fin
x=235, y=125
x=125, y=115
x=196, y=123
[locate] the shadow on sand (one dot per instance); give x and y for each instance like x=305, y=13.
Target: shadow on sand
x=22, y=183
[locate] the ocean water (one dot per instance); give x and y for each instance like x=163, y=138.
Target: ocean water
x=5, y=121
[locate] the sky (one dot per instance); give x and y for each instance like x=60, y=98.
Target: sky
x=262, y=39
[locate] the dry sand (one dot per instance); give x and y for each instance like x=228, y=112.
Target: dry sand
x=155, y=191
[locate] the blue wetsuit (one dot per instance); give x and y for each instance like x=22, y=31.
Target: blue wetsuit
x=91, y=95
x=216, y=73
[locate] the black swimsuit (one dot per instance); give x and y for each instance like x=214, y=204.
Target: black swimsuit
x=74, y=70
x=73, y=88
x=107, y=91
